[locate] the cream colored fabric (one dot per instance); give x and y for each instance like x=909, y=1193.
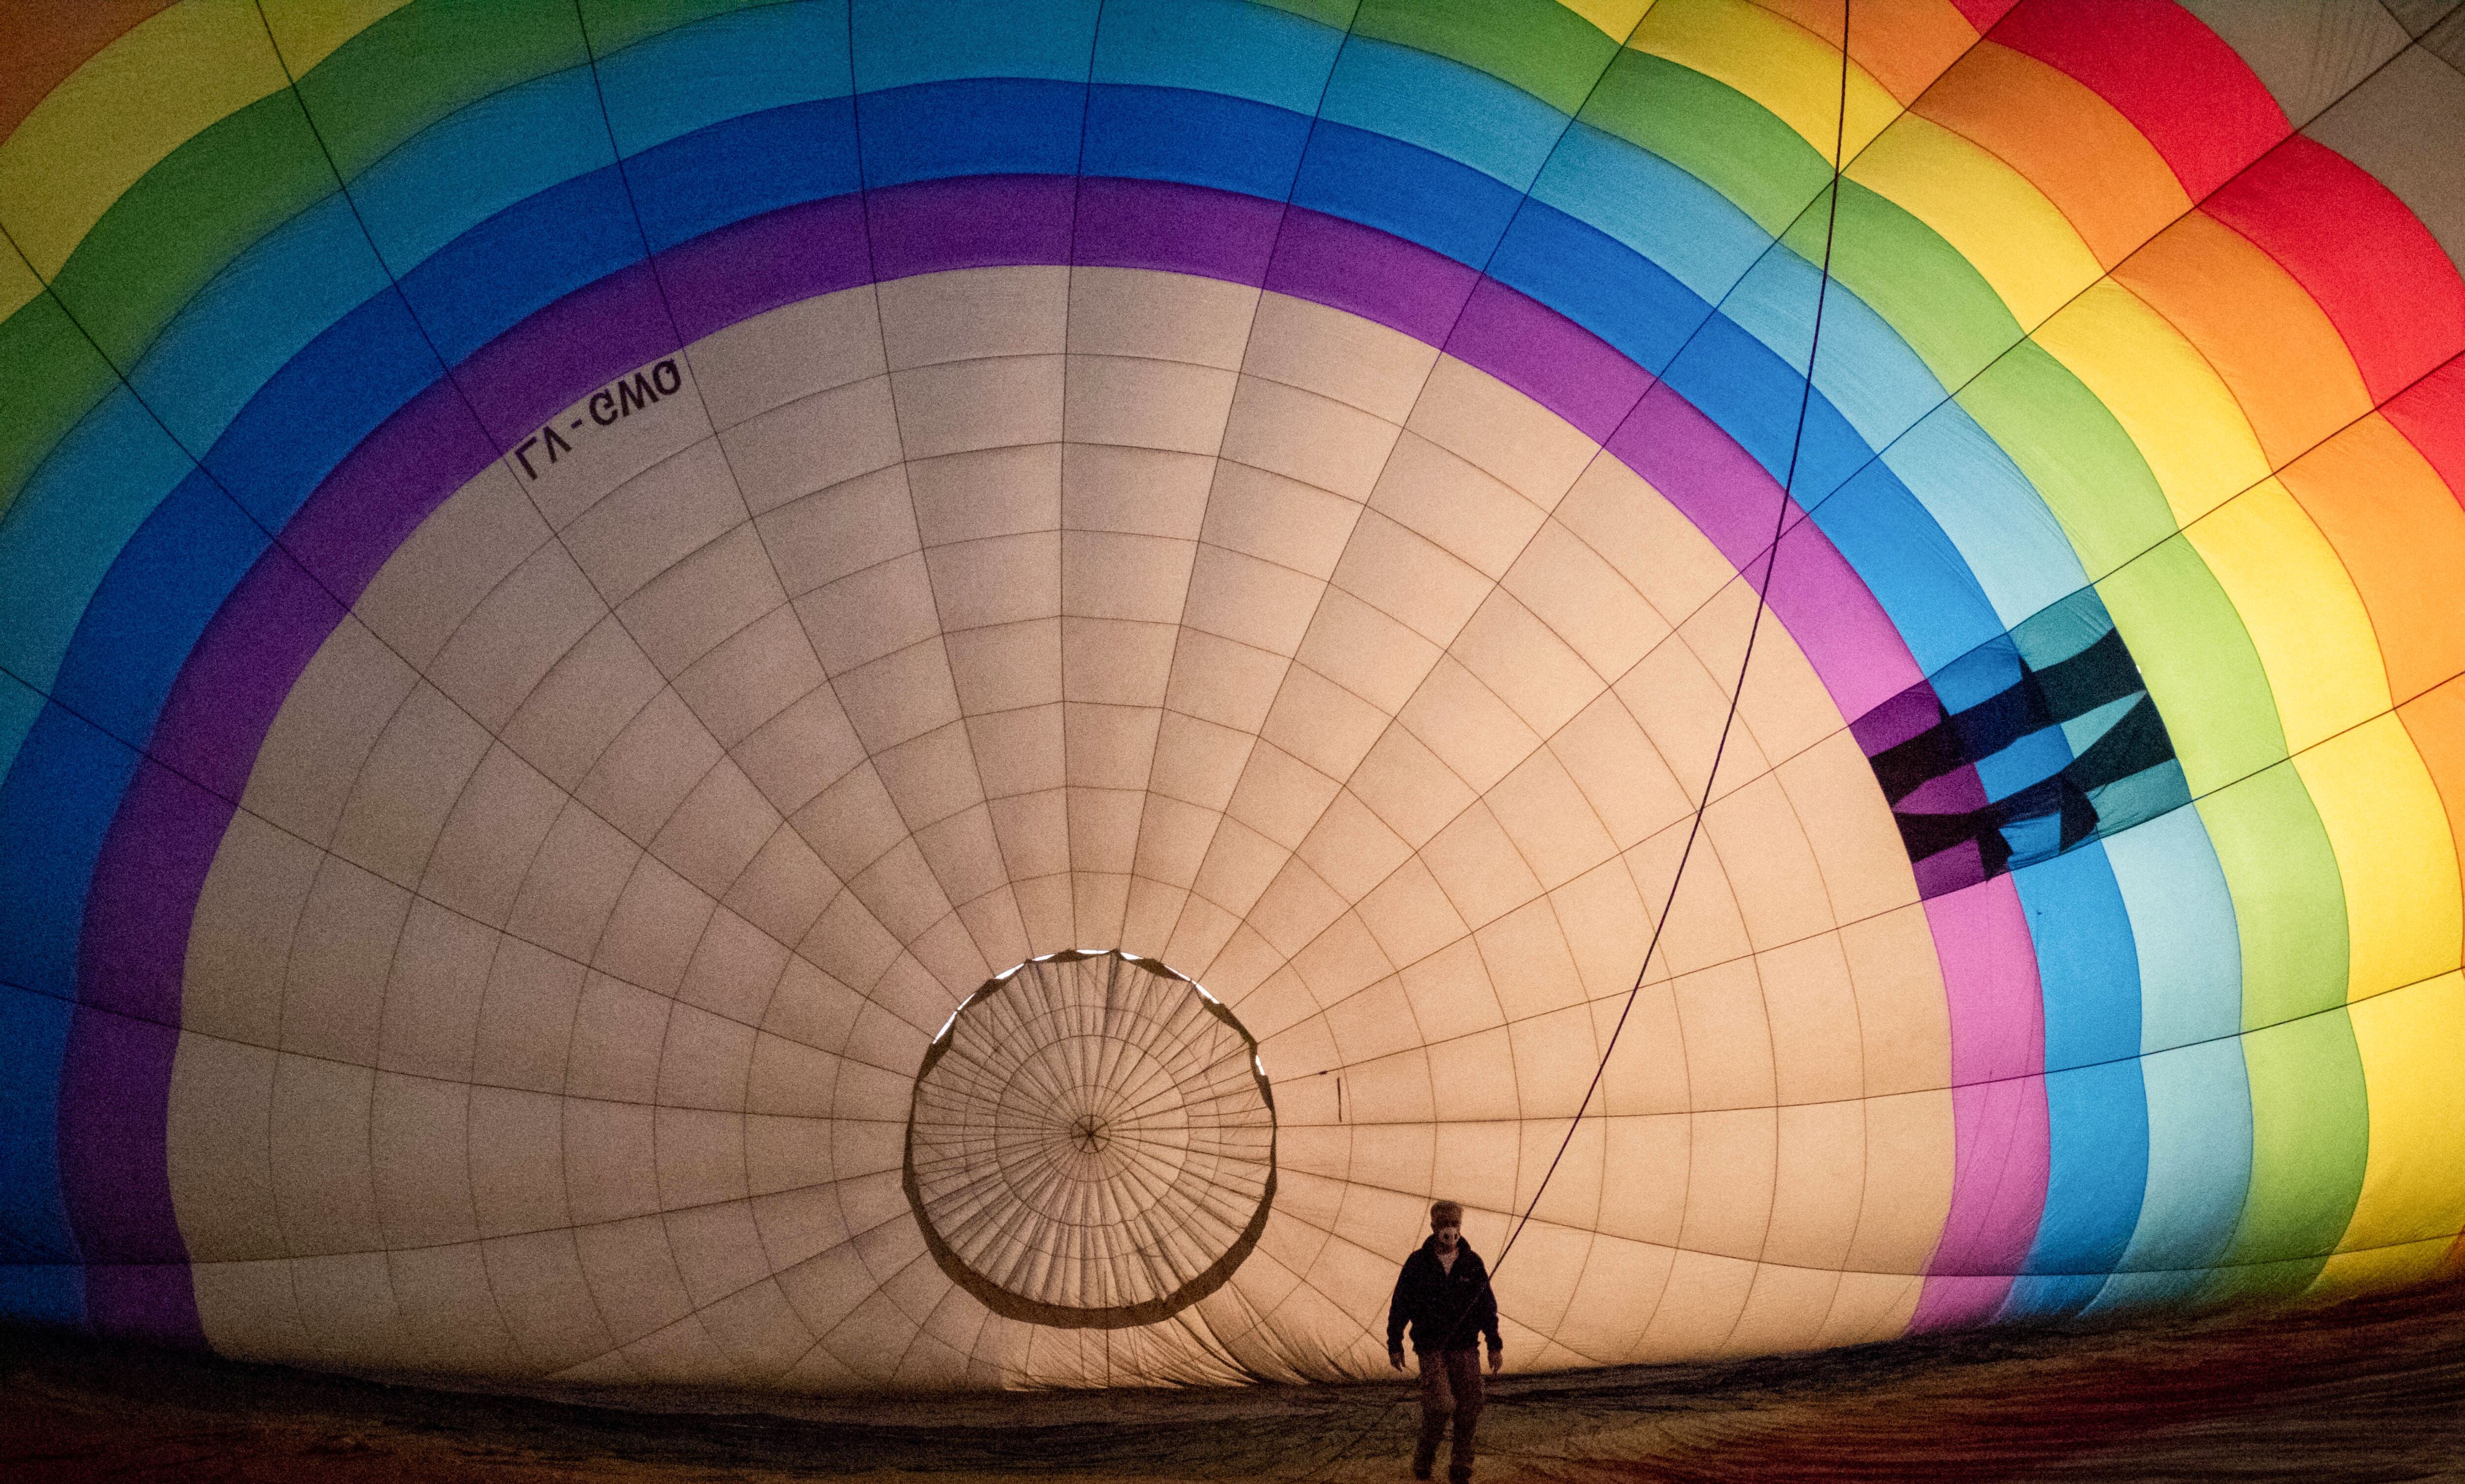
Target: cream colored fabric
x=554, y=1004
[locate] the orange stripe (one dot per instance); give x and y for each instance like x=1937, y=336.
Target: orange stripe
x=42, y=41
x=2070, y=143
x=2403, y=542
x=1904, y=46
x=2274, y=347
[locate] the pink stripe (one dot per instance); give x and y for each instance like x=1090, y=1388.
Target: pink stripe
x=2001, y=1156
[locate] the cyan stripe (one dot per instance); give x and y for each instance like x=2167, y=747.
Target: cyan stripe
x=471, y=166
x=69, y=526
x=2022, y=560
x=1684, y=228
x=1235, y=48
x=1445, y=107
x=711, y=71
x=899, y=43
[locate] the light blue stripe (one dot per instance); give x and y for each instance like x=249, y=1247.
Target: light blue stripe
x=1445, y=107
x=1230, y=47
x=1866, y=370
x=254, y=317
x=82, y=506
x=2183, y=924
x=504, y=149
x=899, y=43
x=744, y=62
x=2022, y=559
x=2199, y=1162
x=1683, y=227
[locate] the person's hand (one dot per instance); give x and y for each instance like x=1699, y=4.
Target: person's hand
x=1395, y=1358
x=1497, y=1361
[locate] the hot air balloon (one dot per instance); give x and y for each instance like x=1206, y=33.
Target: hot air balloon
x=837, y=694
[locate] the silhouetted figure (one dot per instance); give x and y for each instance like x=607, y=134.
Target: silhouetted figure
x=1443, y=1293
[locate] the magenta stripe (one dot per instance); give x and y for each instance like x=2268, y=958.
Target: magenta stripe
x=2001, y=1154
x=154, y=863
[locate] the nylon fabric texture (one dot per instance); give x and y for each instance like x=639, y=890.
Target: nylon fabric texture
x=575, y=578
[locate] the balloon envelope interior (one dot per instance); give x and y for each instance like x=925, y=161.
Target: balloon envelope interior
x=830, y=696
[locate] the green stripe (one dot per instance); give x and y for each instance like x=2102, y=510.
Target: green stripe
x=2311, y=1133
x=2083, y=465
x=1538, y=45
x=617, y=24
x=1711, y=131
x=1906, y=271
x=162, y=240
x=49, y=378
x=2199, y=663
x=426, y=60
x=2289, y=896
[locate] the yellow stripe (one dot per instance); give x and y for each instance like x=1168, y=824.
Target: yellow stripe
x=116, y=117
x=1787, y=69
x=1614, y=19
x=2007, y=229
x=2413, y=1044
x=2293, y=595
x=2164, y=393
x=2378, y=1268
x=2384, y=819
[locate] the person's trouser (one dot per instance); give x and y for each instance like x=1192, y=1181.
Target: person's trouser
x=1450, y=1387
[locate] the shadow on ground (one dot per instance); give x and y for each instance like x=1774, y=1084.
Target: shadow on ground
x=2370, y=1390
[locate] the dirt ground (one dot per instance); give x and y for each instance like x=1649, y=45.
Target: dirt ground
x=2373, y=1390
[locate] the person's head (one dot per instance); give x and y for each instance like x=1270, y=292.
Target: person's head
x=1446, y=1224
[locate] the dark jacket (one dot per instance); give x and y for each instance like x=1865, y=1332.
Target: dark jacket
x=1446, y=1310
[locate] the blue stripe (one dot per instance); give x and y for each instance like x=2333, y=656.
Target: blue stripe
x=939, y=130
x=1405, y=190
x=1198, y=139
x=54, y=807
x=33, y=1220
x=1600, y=283
x=2096, y=1107
x=743, y=168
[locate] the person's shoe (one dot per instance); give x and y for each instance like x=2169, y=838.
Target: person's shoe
x=1421, y=1473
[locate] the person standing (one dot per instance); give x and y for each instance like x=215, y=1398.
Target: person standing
x=1443, y=1293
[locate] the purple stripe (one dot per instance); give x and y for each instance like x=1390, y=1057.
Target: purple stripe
x=1548, y=358
x=987, y=221
x=1176, y=229
x=526, y=375
x=154, y=864
x=1895, y=721
x=762, y=262
x=1364, y=271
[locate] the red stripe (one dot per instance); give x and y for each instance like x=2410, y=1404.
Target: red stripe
x=1984, y=14
x=2180, y=86
x=2357, y=250
x=2431, y=413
